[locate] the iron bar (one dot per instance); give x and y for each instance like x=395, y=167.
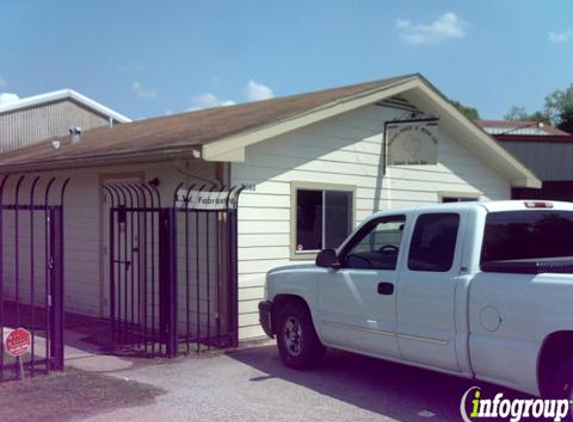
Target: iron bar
x=47, y=277
x=17, y=250
x=32, y=266
x=123, y=218
x=2, y=274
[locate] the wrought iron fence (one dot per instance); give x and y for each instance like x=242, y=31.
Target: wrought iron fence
x=31, y=271
x=172, y=270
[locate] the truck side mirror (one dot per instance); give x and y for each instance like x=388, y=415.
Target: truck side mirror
x=327, y=259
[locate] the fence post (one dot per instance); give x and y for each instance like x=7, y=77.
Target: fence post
x=233, y=277
x=56, y=263
x=168, y=280
x=1, y=287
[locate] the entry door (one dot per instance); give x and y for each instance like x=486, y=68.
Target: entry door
x=357, y=301
x=129, y=231
x=426, y=292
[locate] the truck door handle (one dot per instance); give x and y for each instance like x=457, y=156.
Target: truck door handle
x=385, y=288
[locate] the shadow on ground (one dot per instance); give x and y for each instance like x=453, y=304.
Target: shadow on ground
x=392, y=390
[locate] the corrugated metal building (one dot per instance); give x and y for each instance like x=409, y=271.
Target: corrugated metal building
x=545, y=150
x=28, y=120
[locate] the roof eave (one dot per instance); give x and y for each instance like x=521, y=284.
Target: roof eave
x=103, y=160
x=232, y=148
x=497, y=156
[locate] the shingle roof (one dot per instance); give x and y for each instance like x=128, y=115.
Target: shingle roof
x=188, y=130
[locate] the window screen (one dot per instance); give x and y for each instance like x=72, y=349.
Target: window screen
x=434, y=242
x=338, y=217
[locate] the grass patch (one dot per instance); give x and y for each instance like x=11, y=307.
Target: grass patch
x=70, y=395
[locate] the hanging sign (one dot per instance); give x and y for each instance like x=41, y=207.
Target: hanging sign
x=413, y=143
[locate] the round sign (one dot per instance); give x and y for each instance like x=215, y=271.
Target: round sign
x=18, y=342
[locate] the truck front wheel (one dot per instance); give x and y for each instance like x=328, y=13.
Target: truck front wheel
x=297, y=341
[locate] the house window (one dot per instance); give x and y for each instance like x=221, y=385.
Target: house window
x=458, y=197
x=323, y=218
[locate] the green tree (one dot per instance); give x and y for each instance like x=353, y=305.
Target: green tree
x=559, y=107
x=516, y=113
x=469, y=112
x=558, y=110
x=519, y=113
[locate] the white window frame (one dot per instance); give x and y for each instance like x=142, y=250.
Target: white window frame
x=324, y=187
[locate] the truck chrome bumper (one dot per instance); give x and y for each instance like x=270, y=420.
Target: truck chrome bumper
x=266, y=317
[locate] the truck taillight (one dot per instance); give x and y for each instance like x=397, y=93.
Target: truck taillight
x=538, y=204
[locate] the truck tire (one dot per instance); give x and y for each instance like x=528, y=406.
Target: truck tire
x=561, y=383
x=297, y=341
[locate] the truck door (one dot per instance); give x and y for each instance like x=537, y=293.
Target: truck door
x=425, y=298
x=357, y=301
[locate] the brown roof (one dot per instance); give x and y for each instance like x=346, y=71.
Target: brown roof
x=546, y=139
x=509, y=124
x=185, y=131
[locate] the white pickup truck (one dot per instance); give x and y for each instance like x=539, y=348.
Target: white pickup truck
x=478, y=290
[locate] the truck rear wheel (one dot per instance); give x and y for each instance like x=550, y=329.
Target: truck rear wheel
x=297, y=341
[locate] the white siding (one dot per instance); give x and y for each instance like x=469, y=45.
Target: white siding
x=85, y=228
x=343, y=150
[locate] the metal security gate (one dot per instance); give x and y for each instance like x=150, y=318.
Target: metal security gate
x=172, y=270
x=31, y=272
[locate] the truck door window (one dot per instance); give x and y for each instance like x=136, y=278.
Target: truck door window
x=377, y=245
x=434, y=242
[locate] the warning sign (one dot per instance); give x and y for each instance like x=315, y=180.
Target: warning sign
x=18, y=342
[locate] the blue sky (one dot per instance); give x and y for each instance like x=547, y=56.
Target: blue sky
x=147, y=58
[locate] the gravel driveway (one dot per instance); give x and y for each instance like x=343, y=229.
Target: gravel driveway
x=252, y=385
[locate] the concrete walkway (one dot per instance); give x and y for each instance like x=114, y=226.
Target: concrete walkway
x=88, y=357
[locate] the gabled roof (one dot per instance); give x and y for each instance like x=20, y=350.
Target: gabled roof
x=222, y=134
x=189, y=130
x=62, y=94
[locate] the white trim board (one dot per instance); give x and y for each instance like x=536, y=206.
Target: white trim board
x=427, y=97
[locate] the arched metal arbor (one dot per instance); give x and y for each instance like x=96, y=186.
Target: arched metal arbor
x=172, y=269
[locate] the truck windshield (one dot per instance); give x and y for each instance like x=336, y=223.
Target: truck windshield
x=531, y=234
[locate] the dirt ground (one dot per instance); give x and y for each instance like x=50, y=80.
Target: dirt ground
x=71, y=395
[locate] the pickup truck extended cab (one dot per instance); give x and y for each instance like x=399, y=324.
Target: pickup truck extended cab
x=478, y=290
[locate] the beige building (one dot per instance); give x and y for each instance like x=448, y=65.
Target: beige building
x=314, y=164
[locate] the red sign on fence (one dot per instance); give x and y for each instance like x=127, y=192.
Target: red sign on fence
x=18, y=342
